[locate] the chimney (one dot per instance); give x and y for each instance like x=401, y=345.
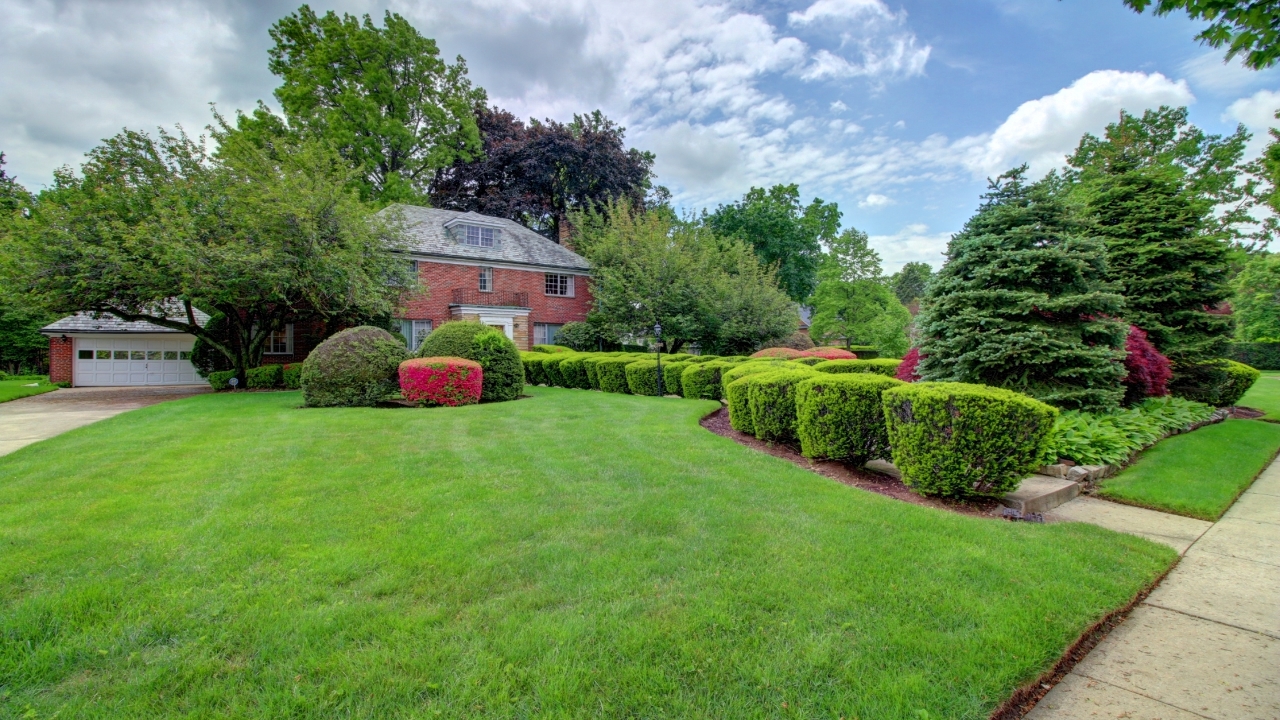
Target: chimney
x=564, y=232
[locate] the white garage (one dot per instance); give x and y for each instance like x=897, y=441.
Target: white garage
x=108, y=351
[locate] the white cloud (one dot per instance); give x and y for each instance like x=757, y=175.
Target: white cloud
x=1042, y=131
x=913, y=243
x=838, y=106
x=875, y=200
x=841, y=10
x=1258, y=113
x=1209, y=73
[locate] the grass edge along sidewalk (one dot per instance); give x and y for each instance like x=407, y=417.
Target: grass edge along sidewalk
x=1264, y=396
x=14, y=388
x=234, y=554
x=1197, y=474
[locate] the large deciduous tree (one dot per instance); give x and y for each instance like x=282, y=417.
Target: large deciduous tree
x=1021, y=302
x=1165, y=198
x=783, y=233
x=860, y=312
x=22, y=347
x=1256, y=302
x=381, y=95
x=154, y=228
x=537, y=174
x=911, y=282
x=1248, y=28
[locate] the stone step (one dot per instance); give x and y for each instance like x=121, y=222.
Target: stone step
x=1039, y=493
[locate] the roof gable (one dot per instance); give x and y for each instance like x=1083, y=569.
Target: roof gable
x=431, y=231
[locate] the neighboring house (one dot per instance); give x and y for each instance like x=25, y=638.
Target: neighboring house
x=474, y=267
x=806, y=316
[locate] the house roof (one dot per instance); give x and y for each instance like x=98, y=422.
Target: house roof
x=515, y=244
x=87, y=322
x=806, y=316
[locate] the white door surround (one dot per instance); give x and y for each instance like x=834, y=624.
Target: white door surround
x=122, y=359
x=498, y=317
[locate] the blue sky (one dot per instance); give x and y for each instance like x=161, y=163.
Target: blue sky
x=895, y=110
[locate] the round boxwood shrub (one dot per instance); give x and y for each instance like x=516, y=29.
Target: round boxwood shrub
x=841, y=416
x=879, y=366
x=447, y=381
x=356, y=367
x=671, y=373
x=1240, y=378
x=778, y=352
x=958, y=440
x=701, y=381
x=291, y=376
x=574, y=372
x=497, y=355
x=771, y=398
x=612, y=374
x=642, y=377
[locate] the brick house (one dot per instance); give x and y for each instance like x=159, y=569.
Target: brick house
x=473, y=267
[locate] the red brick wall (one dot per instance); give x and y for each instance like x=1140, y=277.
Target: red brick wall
x=440, y=279
x=60, y=357
x=306, y=336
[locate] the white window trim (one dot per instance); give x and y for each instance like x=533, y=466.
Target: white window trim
x=288, y=341
x=480, y=231
x=486, y=273
x=570, y=286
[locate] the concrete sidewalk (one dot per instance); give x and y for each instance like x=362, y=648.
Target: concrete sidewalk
x=31, y=419
x=1206, y=642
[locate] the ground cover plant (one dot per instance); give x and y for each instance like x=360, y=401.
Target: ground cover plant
x=1112, y=438
x=232, y=554
x=15, y=387
x=1198, y=474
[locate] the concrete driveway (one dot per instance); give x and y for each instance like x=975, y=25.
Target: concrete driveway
x=35, y=418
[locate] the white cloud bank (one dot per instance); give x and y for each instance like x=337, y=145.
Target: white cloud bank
x=913, y=243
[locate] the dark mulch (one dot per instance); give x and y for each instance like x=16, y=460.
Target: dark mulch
x=852, y=475
x=1244, y=413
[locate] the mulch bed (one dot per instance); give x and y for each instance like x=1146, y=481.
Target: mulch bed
x=1244, y=413
x=852, y=475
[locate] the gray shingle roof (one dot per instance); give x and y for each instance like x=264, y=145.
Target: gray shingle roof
x=515, y=244
x=84, y=322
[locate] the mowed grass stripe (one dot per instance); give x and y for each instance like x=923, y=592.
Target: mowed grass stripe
x=577, y=554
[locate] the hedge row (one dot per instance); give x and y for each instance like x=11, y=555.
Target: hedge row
x=1261, y=355
x=267, y=377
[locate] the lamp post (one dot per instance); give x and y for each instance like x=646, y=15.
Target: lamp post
x=657, y=331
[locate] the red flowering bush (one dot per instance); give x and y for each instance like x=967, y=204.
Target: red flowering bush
x=829, y=353
x=779, y=352
x=907, y=368
x=447, y=381
x=1149, y=370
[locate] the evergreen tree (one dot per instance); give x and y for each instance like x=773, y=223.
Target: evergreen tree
x=1021, y=302
x=910, y=283
x=1152, y=186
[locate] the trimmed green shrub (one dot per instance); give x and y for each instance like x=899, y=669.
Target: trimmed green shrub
x=356, y=367
x=262, y=378
x=533, y=368
x=701, y=381
x=842, y=416
x=703, y=358
x=551, y=369
x=612, y=374
x=771, y=398
x=551, y=349
x=497, y=355
x=886, y=367
x=589, y=367
x=757, y=366
x=1240, y=378
x=291, y=376
x=676, y=357
x=864, y=352
x=671, y=372
x=736, y=394
x=574, y=372
x=642, y=377
x=810, y=361
x=958, y=439
x=218, y=379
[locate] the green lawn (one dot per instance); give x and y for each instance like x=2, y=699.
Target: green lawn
x=577, y=554
x=14, y=389
x=1199, y=473
x=1264, y=396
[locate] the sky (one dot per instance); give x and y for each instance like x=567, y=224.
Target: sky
x=898, y=111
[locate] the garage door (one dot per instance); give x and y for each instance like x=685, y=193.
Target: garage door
x=129, y=361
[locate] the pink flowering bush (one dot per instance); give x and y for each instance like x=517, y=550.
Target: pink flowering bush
x=448, y=381
x=778, y=352
x=907, y=368
x=829, y=353
x=1149, y=370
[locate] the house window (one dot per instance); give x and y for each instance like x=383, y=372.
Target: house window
x=486, y=279
x=479, y=236
x=545, y=333
x=561, y=285
x=414, y=332
x=412, y=267
x=84, y=354
x=280, y=342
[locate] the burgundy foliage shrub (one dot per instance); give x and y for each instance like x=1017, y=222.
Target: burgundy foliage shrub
x=446, y=381
x=829, y=353
x=907, y=369
x=779, y=352
x=1149, y=370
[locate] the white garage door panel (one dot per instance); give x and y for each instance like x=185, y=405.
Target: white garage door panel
x=134, y=361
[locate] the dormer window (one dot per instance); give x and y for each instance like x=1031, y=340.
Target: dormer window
x=478, y=236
